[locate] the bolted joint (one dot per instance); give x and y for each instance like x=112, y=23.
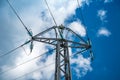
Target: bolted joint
x=62, y=45
x=61, y=27
x=32, y=38
x=88, y=46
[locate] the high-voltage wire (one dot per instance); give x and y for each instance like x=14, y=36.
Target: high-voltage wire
x=89, y=42
x=78, y=52
x=19, y=17
x=35, y=70
x=80, y=11
x=14, y=49
x=9, y=52
x=26, y=61
x=53, y=19
x=46, y=66
x=28, y=31
x=50, y=13
x=36, y=58
x=83, y=20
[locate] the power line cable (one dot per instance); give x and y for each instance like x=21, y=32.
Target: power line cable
x=22, y=24
x=80, y=11
x=28, y=31
x=26, y=61
x=78, y=52
x=47, y=65
x=9, y=52
x=34, y=70
x=83, y=20
x=53, y=20
x=19, y=18
x=25, y=51
x=52, y=17
x=89, y=42
x=50, y=13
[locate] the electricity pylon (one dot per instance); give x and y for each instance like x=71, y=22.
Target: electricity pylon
x=62, y=42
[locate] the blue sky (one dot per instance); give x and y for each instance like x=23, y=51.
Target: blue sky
x=102, y=20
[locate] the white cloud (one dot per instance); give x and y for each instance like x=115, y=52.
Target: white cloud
x=83, y=65
x=107, y=1
x=31, y=66
x=87, y=1
x=82, y=2
x=78, y=28
x=104, y=32
x=102, y=15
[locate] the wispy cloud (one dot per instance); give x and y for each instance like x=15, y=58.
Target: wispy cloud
x=107, y=1
x=103, y=32
x=78, y=28
x=102, y=14
x=83, y=65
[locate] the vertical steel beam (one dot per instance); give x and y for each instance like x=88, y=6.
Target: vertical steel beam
x=62, y=66
x=57, y=65
x=67, y=62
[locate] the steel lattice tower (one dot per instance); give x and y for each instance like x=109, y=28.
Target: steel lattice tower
x=62, y=63
x=62, y=44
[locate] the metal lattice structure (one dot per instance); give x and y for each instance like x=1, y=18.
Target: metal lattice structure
x=62, y=42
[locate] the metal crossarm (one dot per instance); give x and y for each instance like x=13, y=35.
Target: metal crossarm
x=62, y=42
x=62, y=64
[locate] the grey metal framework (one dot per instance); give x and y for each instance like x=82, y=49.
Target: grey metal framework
x=62, y=43
x=62, y=64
